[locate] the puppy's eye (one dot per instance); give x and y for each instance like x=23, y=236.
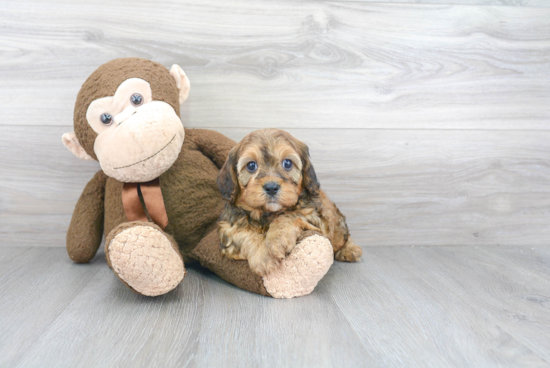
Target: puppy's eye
x=252, y=166
x=136, y=99
x=287, y=164
x=106, y=119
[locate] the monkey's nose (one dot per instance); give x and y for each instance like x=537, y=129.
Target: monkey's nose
x=125, y=114
x=271, y=188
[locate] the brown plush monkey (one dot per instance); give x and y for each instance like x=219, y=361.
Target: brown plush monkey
x=156, y=197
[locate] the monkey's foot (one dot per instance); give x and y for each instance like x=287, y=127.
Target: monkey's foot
x=302, y=269
x=145, y=258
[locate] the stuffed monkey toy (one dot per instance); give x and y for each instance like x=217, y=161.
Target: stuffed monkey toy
x=155, y=197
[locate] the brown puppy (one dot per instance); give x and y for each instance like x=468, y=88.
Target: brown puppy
x=274, y=201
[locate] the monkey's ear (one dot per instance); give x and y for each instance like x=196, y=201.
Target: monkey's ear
x=71, y=142
x=182, y=82
x=227, y=178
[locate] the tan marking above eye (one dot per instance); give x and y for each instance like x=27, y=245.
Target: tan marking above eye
x=113, y=105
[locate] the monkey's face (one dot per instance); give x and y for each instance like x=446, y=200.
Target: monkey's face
x=138, y=139
x=127, y=118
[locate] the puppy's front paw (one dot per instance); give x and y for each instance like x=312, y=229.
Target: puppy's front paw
x=233, y=252
x=350, y=252
x=262, y=262
x=280, y=243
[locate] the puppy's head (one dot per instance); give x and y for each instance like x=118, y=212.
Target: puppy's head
x=267, y=171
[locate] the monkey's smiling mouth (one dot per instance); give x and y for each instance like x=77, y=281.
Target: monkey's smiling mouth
x=150, y=157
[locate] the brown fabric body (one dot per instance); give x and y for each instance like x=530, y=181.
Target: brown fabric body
x=109, y=76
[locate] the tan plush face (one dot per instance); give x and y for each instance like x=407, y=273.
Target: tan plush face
x=126, y=117
x=138, y=138
x=267, y=171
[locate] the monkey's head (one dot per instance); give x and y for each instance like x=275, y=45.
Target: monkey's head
x=126, y=117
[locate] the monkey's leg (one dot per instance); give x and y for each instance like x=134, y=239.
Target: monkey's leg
x=297, y=275
x=144, y=257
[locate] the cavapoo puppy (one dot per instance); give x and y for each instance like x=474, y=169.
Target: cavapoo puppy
x=274, y=201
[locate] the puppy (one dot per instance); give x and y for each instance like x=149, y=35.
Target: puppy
x=274, y=201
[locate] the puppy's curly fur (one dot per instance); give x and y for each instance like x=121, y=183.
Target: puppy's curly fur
x=274, y=200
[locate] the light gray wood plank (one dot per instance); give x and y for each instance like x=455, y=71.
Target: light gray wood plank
x=534, y=259
x=396, y=187
x=265, y=332
x=401, y=306
x=108, y=325
x=36, y=285
x=286, y=64
x=205, y=322
x=446, y=306
x=7, y=255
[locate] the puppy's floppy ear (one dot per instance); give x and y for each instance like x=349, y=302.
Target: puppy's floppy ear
x=227, y=178
x=308, y=172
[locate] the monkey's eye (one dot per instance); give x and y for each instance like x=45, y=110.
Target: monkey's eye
x=287, y=164
x=136, y=99
x=106, y=119
x=252, y=166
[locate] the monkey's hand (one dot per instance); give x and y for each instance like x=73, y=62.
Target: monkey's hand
x=86, y=228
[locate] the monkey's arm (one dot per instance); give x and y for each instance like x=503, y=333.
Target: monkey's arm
x=214, y=145
x=86, y=228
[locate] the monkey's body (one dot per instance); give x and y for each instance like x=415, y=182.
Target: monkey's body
x=127, y=118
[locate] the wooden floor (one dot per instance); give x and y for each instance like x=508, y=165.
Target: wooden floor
x=401, y=307
x=428, y=122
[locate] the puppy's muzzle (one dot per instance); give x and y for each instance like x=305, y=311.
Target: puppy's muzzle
x=272, y=188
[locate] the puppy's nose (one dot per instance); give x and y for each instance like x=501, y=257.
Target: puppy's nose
x=271, y=188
